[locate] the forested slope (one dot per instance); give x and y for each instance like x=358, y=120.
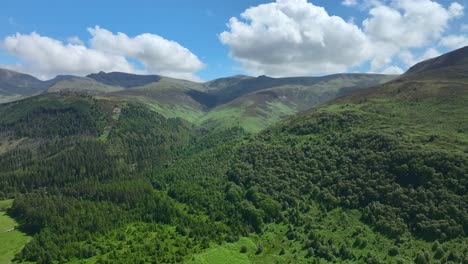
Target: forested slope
x=377, y=176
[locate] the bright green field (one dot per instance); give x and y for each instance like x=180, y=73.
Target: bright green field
x=10, y=242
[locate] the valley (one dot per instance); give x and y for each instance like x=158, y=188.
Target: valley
x=345, y=168
x=249, y=102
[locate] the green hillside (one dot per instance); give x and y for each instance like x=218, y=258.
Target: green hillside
x=264, y=101
x=169, y=97
x=253, y=103
x=11, y=239
x=375, y=176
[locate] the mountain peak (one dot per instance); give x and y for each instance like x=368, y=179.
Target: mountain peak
x=455, y=58
x=12, y=82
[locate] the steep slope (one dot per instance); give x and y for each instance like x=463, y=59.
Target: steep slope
x=19, y=83
x=228, y=89
x=264, y=101
x=14, y=85
x=253, y=103
x=77, y=153
x=376, y=176
x=455, y=59
x=169, y=97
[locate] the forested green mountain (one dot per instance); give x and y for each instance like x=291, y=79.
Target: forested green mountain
x=378, y=175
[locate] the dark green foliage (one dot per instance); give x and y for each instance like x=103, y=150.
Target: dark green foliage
x=259, y=249
x=359, y=170
x=393, y=251
x=439, y=253
x=72, y=186
x=243, y=249
x=52, y=116
x=421, y=258
x=146, y=138
x=132, y=186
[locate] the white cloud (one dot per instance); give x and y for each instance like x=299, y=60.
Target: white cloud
x=157, y=54
x=454, y=41
x=46, y=57
x=294, y=37
x=456, y=10
x=406, y=24
x=75, y=40
x=349, y=2
x=464, y=27
x=392, y=70
x=409, y=59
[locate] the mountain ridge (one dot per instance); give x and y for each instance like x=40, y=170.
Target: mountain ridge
x=454, y=58
x=377, y=175
x=252, y=102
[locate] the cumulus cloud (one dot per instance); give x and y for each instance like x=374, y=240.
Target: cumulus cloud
x=456, y=10
x=409, y=59
x=157, y=54
x=454, y=41
x=295, y=37
x=392, y=70
x=46, y=57
x=406, y=24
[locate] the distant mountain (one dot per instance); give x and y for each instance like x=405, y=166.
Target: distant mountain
x=13, y=82
x=69, y=83
x=169, y=97
x=126, y=80
x=251, y=102
x=255, y=103
x=14, y=85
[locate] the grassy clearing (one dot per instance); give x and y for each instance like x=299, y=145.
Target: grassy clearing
x=339, y=227
x=11, y=242
x=261, y=116
x=229, y=253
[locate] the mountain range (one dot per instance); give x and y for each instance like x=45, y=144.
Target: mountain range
x=251, y=102
x=346, y=168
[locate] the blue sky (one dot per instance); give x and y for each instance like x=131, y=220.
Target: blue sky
x=197, y=26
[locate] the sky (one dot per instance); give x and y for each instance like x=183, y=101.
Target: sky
x=207, y=39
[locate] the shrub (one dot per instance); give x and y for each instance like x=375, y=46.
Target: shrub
x=259, y=249
x=393, y=251
x=243, y=249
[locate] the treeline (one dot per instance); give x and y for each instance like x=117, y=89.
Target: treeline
x=146, y=189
